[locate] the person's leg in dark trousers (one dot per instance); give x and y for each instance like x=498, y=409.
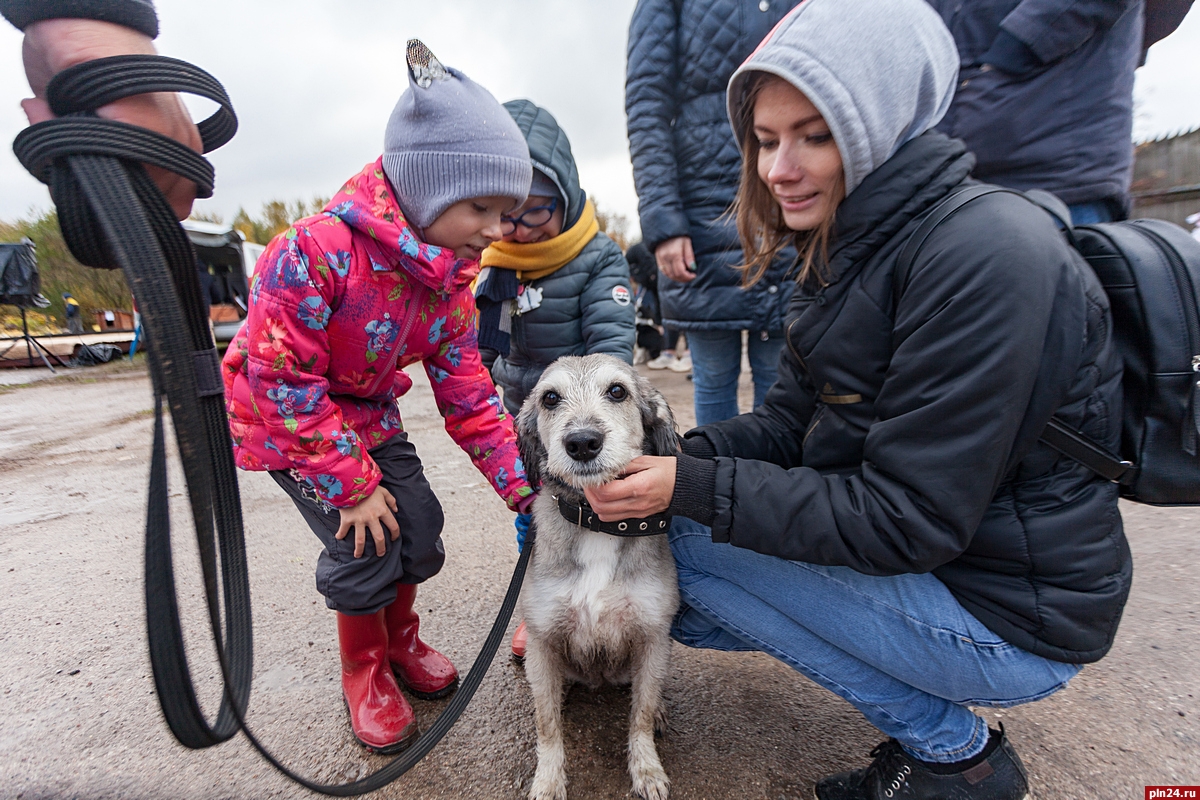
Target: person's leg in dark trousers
x=424, y=671
x=671, y=338
x=373, y=595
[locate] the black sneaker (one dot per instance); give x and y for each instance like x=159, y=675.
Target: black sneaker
x=895, y=775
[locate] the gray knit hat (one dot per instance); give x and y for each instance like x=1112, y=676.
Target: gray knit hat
x=448, y=140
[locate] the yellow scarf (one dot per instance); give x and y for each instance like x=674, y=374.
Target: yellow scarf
x=539, y=259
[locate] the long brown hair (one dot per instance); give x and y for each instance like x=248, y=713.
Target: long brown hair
x=760, y=224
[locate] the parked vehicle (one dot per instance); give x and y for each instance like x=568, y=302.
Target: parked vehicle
x=224, y=260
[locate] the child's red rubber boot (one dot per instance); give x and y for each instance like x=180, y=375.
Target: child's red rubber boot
x=380, y=716
x=424, y=671
x=519, y=640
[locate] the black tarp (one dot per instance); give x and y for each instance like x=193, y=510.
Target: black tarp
x=20, y=284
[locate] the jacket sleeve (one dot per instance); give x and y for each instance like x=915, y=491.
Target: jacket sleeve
x=475, y=417
x=608, y=324
x=1051, y=29
x=136, y=14
x=968, y=342
x=1162, y=18
x=773, y=432
x=286, y=366
x=651, y=80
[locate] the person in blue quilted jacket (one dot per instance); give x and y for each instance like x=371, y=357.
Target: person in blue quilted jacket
x=686, y=169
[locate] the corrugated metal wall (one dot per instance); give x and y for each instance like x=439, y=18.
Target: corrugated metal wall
x=1166, y=178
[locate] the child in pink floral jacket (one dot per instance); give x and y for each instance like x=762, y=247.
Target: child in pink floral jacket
x=340, y=303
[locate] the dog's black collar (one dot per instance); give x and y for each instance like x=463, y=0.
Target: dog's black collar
x=581, y=514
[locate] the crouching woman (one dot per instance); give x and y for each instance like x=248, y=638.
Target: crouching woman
x=887, y=523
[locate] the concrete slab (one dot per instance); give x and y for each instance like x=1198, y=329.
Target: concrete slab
x=79, y=718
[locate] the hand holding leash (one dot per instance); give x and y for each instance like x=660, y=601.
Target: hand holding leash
x=54, y=45
x=521, y=523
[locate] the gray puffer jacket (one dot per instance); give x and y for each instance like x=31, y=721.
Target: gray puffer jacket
x=587, y=304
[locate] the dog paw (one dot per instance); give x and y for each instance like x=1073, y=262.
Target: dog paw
x=660, y=720
x=651, y=784
x=545, y=787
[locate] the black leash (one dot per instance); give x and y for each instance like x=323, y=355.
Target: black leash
x=113, y=216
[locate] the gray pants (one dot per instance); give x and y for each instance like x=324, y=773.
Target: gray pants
x=366, y=584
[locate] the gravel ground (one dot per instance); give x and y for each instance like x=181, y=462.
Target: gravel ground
x=78, y=715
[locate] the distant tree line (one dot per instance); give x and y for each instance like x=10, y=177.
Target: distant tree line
x=274, y=218
x=100, y=289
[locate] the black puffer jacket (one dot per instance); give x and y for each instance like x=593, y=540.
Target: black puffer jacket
x=685, y=161
x=905, y=440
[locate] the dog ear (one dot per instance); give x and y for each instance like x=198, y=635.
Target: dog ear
x=661, y=438
x=533, y=454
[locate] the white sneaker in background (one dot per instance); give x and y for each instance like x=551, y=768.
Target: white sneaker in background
x=640, y=355
x=683, y=364
x=664, y=361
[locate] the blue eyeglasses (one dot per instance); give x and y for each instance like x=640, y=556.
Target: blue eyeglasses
x=533, y=218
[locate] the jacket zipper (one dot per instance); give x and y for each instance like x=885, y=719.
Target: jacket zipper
x=1187, y=293
x=820, y=412
x=787, y=335
x=418, y=298
x=812, y=426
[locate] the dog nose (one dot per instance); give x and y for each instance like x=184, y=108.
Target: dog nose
x=584, y=445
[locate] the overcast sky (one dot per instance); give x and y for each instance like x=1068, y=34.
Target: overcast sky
x=314, y=82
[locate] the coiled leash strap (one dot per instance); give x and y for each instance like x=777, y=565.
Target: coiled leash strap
x=113, y=216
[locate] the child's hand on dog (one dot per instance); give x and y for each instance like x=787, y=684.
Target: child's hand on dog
x=370, y=513
x=645, y=489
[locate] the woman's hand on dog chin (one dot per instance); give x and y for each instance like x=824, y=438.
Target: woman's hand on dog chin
x=372, y=514
x=645, y=489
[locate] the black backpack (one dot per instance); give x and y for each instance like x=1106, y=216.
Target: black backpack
x=1150, y=270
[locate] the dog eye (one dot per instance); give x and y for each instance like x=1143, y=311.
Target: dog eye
x=617, y=392
x=550, y=399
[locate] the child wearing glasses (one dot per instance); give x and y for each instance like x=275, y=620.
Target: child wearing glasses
x=554, y=285
x=340, y=303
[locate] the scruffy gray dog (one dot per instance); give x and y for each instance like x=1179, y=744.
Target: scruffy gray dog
x=598, y=606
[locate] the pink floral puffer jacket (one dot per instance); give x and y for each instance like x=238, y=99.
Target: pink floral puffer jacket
x=339, y=304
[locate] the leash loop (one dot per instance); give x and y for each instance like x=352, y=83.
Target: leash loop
x=113, y=216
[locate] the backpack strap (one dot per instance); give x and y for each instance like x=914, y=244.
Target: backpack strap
x=948, y=205
x=1073, y=444
x=1054, y=206
x=1057, y=434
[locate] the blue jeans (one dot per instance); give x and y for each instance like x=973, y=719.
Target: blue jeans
x=1091, y=213
x=717, y=363
x=901, y=649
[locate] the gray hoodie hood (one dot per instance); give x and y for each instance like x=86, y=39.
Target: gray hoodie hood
x=881, y=72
